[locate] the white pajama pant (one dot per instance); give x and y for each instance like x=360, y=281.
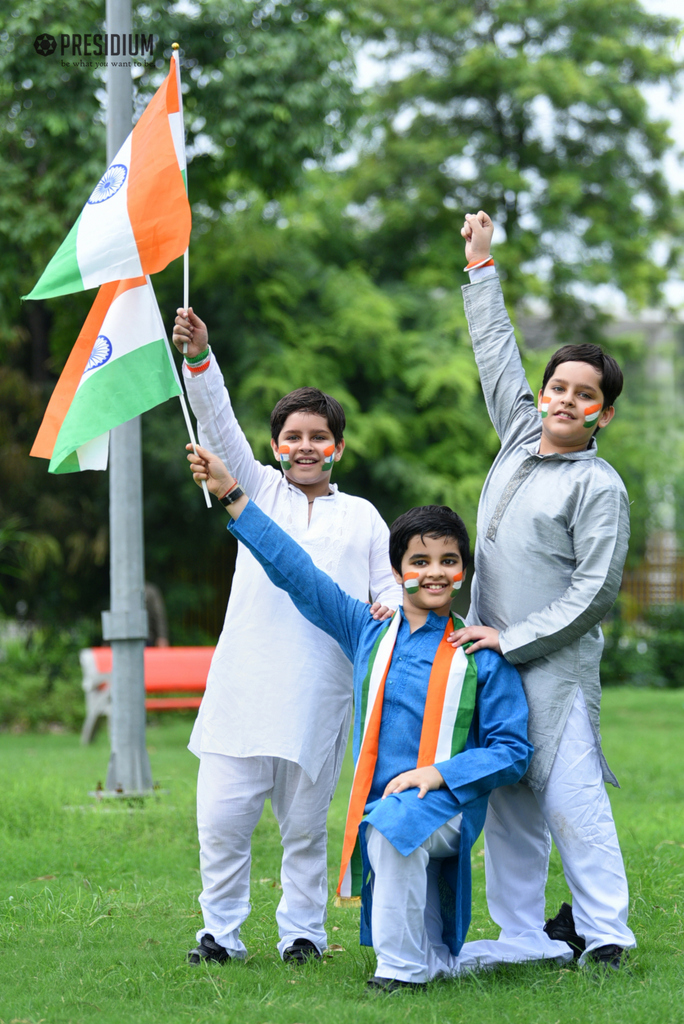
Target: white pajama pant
x=231, y=792
x=573, y=808
x=406, y=919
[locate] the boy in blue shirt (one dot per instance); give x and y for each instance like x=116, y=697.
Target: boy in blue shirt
x=435, y=730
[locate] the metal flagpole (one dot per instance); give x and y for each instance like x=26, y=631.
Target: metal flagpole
x=125, y=624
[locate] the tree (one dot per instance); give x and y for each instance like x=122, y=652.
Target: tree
x=532, y=110
x=269, y=86
x=347, y=279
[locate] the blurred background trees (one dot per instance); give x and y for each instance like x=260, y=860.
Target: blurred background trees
x=326, y=246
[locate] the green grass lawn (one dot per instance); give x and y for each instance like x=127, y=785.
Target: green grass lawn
x=98, y=904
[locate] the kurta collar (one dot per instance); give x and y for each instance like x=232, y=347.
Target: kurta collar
x=433, y=622
x=291, y=487
x=532, y=447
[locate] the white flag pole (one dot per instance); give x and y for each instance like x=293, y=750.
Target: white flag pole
x=186, y=284
x=186, y=255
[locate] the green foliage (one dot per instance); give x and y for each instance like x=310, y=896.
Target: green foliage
x=40, y=676
x=648, y=653
x=532, y=111
x=345, y=279
x=667, y=624
x=629, y=654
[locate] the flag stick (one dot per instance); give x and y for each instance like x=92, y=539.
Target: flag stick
x=186, y=255
x=191, y=432
x=186, y=289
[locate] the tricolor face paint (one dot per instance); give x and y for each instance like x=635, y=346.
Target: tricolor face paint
x=591, y=415
x=457, y=584
x=283, y=454
x=411, y=584
x=545, y=403
x=329, y=454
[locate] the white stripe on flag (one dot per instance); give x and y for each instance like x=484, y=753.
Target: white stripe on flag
x=108, y=220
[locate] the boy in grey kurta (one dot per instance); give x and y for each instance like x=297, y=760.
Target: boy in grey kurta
x=552, y=534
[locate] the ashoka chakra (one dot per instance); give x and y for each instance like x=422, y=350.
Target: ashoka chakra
x=102, y=350
x=109, y=184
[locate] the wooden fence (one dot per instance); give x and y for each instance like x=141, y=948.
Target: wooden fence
x=652, y=584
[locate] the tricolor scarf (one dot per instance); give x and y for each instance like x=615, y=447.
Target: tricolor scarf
x=449, y=707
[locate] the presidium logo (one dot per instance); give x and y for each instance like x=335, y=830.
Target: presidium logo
x=87, y=44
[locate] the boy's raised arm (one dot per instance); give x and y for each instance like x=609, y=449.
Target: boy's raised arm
x=510, y=403
x=218, y=428
x=287, y=565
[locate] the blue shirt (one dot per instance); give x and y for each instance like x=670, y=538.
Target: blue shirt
x=403, y=705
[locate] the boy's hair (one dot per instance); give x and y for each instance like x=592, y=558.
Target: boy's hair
x=427, y=521
x=611, y=374
x=309, y=400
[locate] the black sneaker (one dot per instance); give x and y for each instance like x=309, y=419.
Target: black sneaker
x=208, y=950
x=610, y=958
x=390, y=985
x=562, y=929
x=300, y=951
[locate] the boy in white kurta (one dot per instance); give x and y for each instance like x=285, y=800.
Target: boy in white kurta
x=552, y=533
x=275, y=717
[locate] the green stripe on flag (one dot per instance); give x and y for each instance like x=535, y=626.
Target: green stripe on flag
x=116, y=393
x=62, y=275
x=69, y=465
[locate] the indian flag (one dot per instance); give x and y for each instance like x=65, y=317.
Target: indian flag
x=591, y=415
x=329, y=457
x=411, y=584
x=457, y=582
x=137, y=218
x=545, y=403
x=284, y=456
x=119, y=367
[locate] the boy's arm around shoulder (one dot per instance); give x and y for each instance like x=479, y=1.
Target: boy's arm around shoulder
x=502, y=752
x=383, y=586
x=289, y=567
x=510, y=402
x=600, y=534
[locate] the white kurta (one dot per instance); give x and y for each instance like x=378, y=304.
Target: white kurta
x=279, y=686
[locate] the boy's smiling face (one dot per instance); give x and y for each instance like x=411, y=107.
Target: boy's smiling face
x=433, y=568
x=308, y=444
x=571, y=405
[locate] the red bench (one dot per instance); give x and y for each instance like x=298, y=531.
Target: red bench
x=168, y=670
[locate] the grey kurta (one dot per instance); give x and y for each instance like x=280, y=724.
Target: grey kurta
x=552, y=534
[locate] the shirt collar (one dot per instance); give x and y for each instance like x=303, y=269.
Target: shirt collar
x=433, y=621
x=293, y=487
x=590, y=452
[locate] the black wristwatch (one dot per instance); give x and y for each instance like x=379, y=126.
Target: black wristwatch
x=232, y=496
